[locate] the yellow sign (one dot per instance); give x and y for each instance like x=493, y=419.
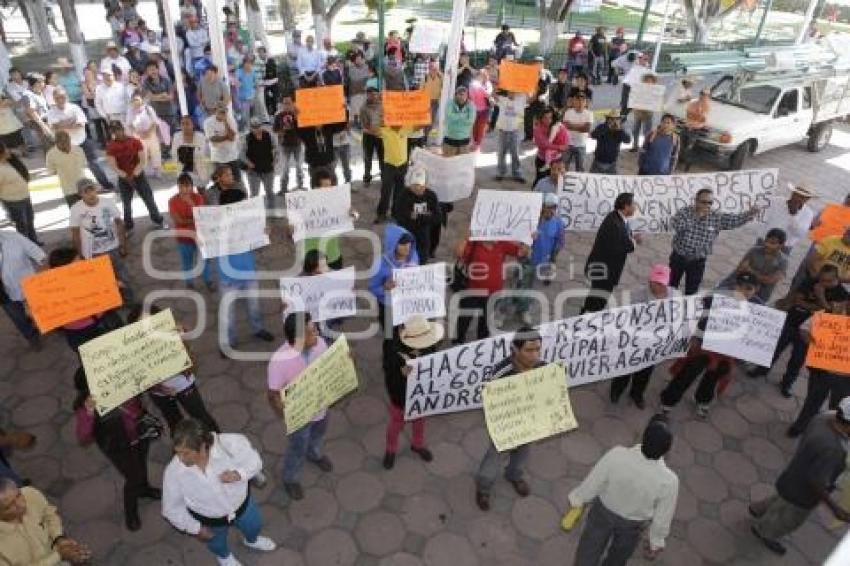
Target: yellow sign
x=327, y=380
x=528, y=406
x=132, y=359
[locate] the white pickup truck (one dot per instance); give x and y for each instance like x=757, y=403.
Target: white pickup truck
x=751, y=115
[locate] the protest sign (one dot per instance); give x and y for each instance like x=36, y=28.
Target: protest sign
x=586, y=198
x=407, y=108
x=231, y=228
x=451, y=178
x=325, y=297
x=646, y=96
x=419, y=290
x=320, y=105
x=528, y=406
x=65, y=294
x=743, y=330
x=129, y=361
x=592, y=347
x=828, y=349
x=834, y=219
x=518, y=77
x=320, y=212
x=426, y=38
x=505, y=215
x=323, y=383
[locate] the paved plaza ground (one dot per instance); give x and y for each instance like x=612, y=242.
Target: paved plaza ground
x=422, y=513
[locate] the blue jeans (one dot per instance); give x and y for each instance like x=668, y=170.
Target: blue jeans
x=255, y=317
x=249, y=524
x=509, y=145
x=303, y=444
x=188, y=251
x=575, y=153
x=18, y=314
x=91, y=157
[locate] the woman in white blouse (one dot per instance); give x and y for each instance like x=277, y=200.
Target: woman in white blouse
x=143, y=123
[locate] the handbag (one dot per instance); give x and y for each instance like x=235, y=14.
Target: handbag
x=460, y=274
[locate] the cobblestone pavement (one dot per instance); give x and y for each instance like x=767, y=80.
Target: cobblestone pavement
x=422, y=513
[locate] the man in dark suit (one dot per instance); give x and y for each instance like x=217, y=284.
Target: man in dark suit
x=614, y=242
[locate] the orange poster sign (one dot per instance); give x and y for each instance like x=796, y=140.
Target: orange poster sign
x=834, y=219
x=320, y=105
x=828, y=348
x=518, y=77
x=64, y=294
x=407, y=108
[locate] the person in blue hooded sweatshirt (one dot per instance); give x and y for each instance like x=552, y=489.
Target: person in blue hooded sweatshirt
x=399, y=252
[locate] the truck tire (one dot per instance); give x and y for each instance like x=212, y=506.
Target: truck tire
x=820, y=136
x=737, y=159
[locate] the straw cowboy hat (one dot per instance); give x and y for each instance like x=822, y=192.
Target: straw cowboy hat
x=418, y=333
x=63, y=63
x=802, y=190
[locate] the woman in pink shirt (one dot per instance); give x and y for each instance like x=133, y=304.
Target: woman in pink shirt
x=480, y=92
x=551, y=138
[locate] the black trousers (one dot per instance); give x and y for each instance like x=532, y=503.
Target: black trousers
x=191, y=401
x=132, y=463
x=624, y=101
x=693, y=368
x=480, y=304
x=639, y=380
x=597, y=298
x=371, y=145
x=822, y=385
x=692, y=269
x=392, y=185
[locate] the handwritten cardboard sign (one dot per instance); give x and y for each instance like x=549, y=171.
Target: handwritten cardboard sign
x=320, y=212
x=320, y=105
x=528, y=406
x=323, y=383
x=231, y=228
x=419, y=290
x=451, y=178
x=586, y=198
x=828, y=349
x=132, y=359
x=407, y=108
x=426, y=38
x=518, y=77
x=65, y=294
x=325, y=297
x=646, y=96
x=505, y=215
x=743, y=330
x=834, y=220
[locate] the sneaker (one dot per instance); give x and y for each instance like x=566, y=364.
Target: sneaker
x=521, y=487
x=498, y=177
x=772, y=545
x=757, y=371
x=753, y=513
x=633, y=150
x=264, y=335
x=229, y=560
x=702, y=411
x=785, y=391
x=423, y=453
x=482, y=500
x=389, y=460
x=294, y=491
x=324, y=463
x=263, y=544
x=665, y=410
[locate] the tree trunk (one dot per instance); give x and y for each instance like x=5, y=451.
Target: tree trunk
x=287, y=15
x=332, y=13
x=549, y=31
x=254, y=21
x=76, y=43
x=701, y=31
x=37, y=21
x=317, y=7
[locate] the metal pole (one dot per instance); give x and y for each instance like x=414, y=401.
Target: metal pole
x=807, y=19
x=764, y=14
x=176, y=58
x=643, y=19
x=452, y=59
x=382, y=11
x=501, y=19
x=660, y=39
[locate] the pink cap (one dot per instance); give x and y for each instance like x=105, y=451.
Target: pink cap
x=660, y=274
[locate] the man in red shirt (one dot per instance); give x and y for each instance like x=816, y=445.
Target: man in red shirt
x=126, y=155
x=180, y=208
x=576, y=55
x=485, y=263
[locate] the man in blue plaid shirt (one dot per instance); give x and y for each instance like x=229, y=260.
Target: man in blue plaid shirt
x=695, y=228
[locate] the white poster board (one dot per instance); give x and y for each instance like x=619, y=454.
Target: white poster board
x=505, y=215
x=645, y=96
x=319, y=212
x=586, y=198
x=426, y=38
x=451, y=178
x=419, y=290
x=231, y=228
x=326, y=296
x=743, y=330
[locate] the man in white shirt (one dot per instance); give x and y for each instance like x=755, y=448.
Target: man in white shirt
x=18, y=259
x=196, y=39
x=68, y=162
x=114, y=58
x=627, y=487
x=205, y=489
x=189, y=146
x=220, y=130
x=793, y=215
x=309, y=63
x=67, y=117
x=110, y=98
x=579, y=122
x=633, y=76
